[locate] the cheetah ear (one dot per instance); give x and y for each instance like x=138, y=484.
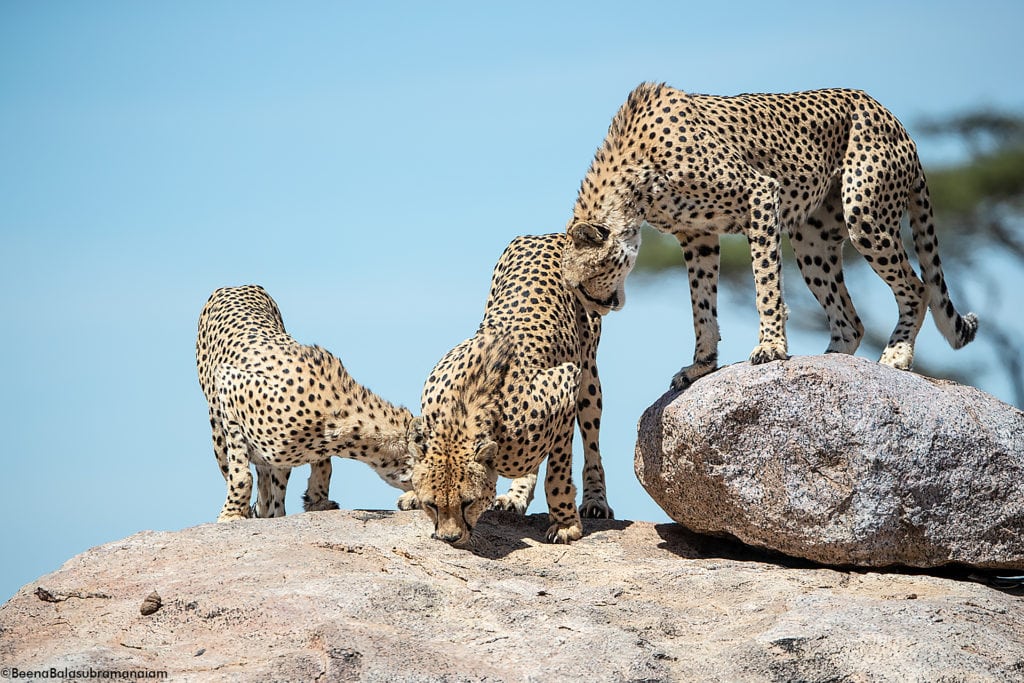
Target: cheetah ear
x=416, y=437
x=486, y=452
x=588, y=234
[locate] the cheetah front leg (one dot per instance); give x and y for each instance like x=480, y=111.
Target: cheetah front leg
x=563, y=516
x=702, y=255
x=545, y=420
x=818, y=247
x=554, y=392
x=318, y=487
x=520, y=494
x=271, y=486
x=765, y=240
x=588, y=416
x=408, y=501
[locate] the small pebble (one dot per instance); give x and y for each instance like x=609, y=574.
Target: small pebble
x=151, y=604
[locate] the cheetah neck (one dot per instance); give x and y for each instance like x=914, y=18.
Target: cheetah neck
x=371, y=420
x=369, y=428
x=613, y=196
x=622, y=182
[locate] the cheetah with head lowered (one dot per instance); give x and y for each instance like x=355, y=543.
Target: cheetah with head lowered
x=502, y=401
x=824, y=166
x=280, y=404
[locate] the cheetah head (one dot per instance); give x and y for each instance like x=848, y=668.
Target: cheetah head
x=454, y=481
x=596, y=261
x=454, y=444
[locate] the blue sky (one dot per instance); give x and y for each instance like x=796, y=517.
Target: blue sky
x=366, y=163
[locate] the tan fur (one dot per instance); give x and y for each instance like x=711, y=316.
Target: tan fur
x=280, y=404
x=502, y=401
x=824, y=166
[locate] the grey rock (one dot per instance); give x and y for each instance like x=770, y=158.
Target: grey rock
x=346, y=596
x=842, y=461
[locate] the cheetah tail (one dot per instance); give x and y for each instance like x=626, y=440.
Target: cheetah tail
x=958, y=330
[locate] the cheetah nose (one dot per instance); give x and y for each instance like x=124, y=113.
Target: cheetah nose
x=450, y=537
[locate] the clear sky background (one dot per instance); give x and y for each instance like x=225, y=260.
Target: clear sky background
x=367, y=163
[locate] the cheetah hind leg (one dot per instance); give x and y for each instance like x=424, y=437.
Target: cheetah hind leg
x=238, y=504
x=519, y=496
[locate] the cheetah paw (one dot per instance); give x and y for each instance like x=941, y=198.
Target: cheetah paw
x=899, y=355
x=408, y=501
x=510, y=503
x=596, y=509
x=564, y=533
x=767, y=352
x=319, y=505
x=231, y=516
x=690, y=374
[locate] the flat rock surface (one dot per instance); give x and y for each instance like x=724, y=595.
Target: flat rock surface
x=368, y=596
x=840, y=460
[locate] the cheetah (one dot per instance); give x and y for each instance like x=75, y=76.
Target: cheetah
x=823, y=165
x=505, y=399
x=280, y=404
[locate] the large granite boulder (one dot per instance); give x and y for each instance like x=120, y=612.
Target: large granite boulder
x=842, y=461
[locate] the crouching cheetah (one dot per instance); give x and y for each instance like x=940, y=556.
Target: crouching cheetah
x=280, y=404
x=505, y=399
x=823, y=166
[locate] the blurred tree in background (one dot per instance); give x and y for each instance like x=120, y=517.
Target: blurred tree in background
x=979, y=214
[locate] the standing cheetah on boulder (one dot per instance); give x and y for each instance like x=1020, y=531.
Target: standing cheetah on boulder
x=504, y=400
x=280, y=404
x=823, y=166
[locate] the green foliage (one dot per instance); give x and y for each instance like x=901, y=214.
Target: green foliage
x=993, y=177
x=661, y=252
x=982, y=131
x=658, y=251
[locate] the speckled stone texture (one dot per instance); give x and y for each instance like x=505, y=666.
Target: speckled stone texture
x=369, y=596
x=842, y=461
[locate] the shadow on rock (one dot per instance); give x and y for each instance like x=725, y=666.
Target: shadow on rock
x=681, y=541
x=687, y=544
x=500, y=533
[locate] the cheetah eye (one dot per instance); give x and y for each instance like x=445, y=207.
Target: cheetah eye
x=429, y=507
